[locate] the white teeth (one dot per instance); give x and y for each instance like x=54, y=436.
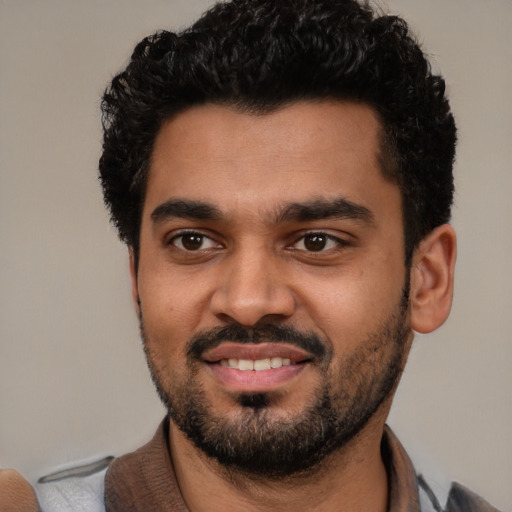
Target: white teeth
x=276, y=362
x=245, y=364
x=258, y=365
x=262, y=364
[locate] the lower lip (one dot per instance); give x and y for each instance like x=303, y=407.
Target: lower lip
x=246, y=381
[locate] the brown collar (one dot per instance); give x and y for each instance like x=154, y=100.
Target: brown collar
x=145, y=480
x=402, y=483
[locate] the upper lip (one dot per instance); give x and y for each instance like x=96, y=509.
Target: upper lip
x=256, y=351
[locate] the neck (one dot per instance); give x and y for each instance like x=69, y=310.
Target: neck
x=353, y=479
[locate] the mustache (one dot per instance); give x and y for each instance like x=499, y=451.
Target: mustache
x=206, y=340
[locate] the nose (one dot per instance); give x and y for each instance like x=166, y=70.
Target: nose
x=252, y=289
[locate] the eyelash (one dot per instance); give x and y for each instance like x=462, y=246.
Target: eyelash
x=183, y=234
x=327, y=237
x=339, y=242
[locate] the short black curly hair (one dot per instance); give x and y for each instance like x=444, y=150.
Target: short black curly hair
x=259, y=55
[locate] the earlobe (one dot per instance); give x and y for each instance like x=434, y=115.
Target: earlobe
x=133, y=275
x=432, y=276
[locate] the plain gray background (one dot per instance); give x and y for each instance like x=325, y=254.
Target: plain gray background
x=73, y=381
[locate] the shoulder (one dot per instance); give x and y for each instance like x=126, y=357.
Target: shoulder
x=79, y=489
x=462, y=499
x=410, y=490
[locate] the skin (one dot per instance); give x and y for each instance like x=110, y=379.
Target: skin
x=253, y=264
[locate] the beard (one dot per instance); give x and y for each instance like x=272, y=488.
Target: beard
x=259, y=442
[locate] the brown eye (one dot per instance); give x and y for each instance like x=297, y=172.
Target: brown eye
x=315, y=242
x=318, y=242
x=193, y=242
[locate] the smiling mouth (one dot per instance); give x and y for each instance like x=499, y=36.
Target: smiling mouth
x=257, y=365
x=256, y=356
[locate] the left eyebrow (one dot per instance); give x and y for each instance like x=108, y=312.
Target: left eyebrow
x=185, y=209
x=320, y=209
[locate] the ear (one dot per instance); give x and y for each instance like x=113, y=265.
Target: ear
x=133, y=275
x=432, y=275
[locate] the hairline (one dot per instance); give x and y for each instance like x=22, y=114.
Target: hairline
x=387, y=156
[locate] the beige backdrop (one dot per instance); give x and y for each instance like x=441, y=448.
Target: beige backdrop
x=73, y=382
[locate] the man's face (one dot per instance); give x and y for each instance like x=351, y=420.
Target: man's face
x=272, y=242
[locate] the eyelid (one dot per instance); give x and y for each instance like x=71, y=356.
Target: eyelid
x=338, y=240
x=175, y=235
x=341, y=240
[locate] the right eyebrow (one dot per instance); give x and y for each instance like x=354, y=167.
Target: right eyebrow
x=185, y=209
x=338, y=208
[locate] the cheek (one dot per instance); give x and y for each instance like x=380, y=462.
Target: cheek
x=172, y=313
x=348, y=307
x=167, y=294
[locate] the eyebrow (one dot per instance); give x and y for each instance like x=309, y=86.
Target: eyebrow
x=185, y=209
x=318, y=209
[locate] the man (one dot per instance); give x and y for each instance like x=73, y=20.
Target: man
x=282, y=175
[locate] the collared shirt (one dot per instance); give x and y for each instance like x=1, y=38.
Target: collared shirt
x=145, y=480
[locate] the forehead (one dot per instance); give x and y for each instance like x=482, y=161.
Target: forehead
x=248, y=161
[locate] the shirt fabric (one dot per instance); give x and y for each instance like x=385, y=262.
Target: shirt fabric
x=145, y=480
